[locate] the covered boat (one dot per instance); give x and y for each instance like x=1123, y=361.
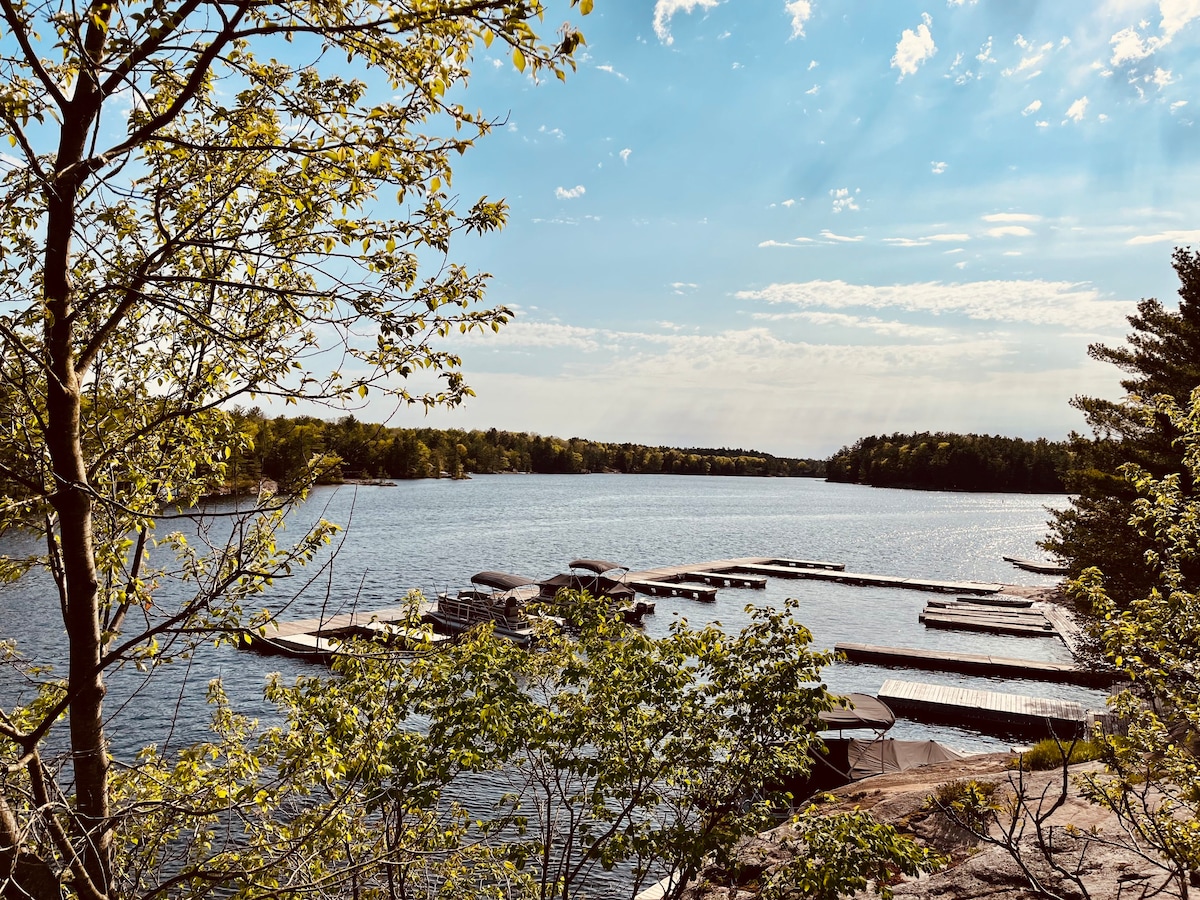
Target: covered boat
x=848, y=759
x=503, y=605
x=604, y=580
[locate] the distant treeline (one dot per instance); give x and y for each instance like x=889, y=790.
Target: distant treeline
x=959, y=462
x=282, y=447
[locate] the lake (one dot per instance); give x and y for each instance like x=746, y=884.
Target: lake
x=434, y=534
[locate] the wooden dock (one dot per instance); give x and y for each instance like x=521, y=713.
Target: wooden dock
x=991, y=619
x=975, y=664
x=1006, y=715
x=316, y=638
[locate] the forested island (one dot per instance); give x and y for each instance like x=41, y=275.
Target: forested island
x=957, y=462
x=283, y=448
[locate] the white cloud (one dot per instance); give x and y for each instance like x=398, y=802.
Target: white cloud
x=665, y=10
x=1032, y=108
x=1010, y=231
x=1176, y=14
x=563, y=193
x=800, y=11
x=891, y=329
x=551, y=132
x=625, y=154
x=1012, y=217
x=813, y=91
x=1178, y=104
x=540, y=335
x=830, y=236
x=683, y=287
x=1077, y=110
x=1174, y=237
x=789, y=202
x=938, y=167
x=1034, y=302
x=1161, y=78
x=905, y=242
x=985, y=52
x=794, y=242
x=961, y=2
x=812, y=64
x=1128, y=46
x=948, y=237
x=611, y=71
x=1042, y=123
x=1027, y=63
x=914, y=47
x=844, y=199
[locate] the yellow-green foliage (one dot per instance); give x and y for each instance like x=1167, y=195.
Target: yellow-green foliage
x=1050, y=754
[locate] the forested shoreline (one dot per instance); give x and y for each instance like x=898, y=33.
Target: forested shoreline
x=281, y=449
x=959, y=462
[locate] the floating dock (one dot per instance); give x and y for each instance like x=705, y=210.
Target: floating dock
x=989, y=712
x=317, y=638
x=821, y=570
x=991, y=619
x=976, y=664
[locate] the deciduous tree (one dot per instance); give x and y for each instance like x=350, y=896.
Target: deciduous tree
x=197, y=213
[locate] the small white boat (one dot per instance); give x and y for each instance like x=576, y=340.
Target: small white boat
x=503, y=606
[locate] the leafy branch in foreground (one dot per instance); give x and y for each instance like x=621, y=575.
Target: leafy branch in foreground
x=211, y=201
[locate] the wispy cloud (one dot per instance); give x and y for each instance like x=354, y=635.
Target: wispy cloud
x=1174, y=237
x=625, y=154
x=1032, y=108
x=914, y=47
x=611, y=71
x=1010, y=231
x=1035, y=302
x=842, y=238
x=665, y=10
x=1012, y=217
x=938, y=167
x=563, y=193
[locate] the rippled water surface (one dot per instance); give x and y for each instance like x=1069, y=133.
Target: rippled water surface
x=434, y=535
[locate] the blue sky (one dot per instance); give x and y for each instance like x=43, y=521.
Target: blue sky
x=785, y=225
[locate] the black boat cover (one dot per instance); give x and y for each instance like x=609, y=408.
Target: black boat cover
x=501, y=581
x=596, y=565
x=864, y=711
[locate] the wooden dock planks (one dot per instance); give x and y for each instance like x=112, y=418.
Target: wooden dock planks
x=975, y=664
x=986, y=711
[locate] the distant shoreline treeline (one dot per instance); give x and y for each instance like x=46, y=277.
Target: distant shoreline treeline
x=282, y=447
x=957, y=462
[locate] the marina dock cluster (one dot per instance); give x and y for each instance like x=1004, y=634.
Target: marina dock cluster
x=982, y=607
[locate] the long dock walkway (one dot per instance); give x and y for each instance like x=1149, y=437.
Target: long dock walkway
x=797, y=568
x=975, y=664
x=987, y=711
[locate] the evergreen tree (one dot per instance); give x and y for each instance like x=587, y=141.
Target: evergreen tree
x=1161, y=356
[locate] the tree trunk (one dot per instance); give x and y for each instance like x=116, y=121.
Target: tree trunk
x=71, y=499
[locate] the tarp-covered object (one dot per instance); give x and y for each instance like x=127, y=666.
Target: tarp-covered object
x=599, y=566
x=887, y=756
x=865, y=712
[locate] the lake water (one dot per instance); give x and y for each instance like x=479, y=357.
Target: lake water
x=433, y=535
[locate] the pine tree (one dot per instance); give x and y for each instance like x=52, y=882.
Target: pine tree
x=1161, y=356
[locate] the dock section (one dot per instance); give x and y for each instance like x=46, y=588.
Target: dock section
x=975, y=664
x=989, y=712
x=990, y=619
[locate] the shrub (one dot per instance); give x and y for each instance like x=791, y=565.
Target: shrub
x=1049, y=754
